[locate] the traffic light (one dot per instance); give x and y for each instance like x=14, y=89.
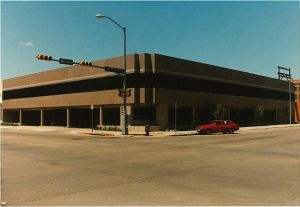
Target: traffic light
x=44, y=57
x=84, y=63
x=128, y=92
x=120, y=92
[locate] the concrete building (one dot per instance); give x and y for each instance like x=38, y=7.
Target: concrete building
x=1, y=103
x=297, y=100
x=201, y=92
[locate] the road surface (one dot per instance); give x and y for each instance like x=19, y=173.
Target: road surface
x=258, y=167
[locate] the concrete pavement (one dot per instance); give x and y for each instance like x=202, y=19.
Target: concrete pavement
x=134, y=133
x=256, y=167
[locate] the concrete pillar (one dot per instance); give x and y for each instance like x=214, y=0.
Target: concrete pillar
x=68, y=117
x=101, y=115
x=162, y=115
x=42, y=117
x=21, y=117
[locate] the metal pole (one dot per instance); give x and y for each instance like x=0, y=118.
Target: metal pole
x=92, y=121
x=289, y=78
x=125, y=124
x=290, y=100
x=175, y=118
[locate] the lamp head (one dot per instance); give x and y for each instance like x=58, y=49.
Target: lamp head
x=99, y=16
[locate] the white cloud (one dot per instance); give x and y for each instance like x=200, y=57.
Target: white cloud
x=26, y=44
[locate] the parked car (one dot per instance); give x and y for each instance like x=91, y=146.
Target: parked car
x=216, y=126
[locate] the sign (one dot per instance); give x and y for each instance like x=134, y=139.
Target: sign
x=114, y=70
x=66, y=61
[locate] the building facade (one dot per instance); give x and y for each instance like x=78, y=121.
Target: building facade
x=297, y=100
x=160, y=85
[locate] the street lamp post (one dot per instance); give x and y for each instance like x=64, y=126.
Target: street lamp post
x=125, y=123
x=290, y=100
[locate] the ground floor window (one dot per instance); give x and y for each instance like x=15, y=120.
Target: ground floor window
x=144, y=114
x=83, y=117
x=55, y=117
x=111, y=116
x=31, y=117
x=11, y=116
x=183, y=116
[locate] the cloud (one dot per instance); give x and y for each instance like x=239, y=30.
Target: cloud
x=26, y=44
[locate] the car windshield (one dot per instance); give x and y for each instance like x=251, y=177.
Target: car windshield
x=212, y=122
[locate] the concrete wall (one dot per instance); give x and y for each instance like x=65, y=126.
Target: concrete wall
x=297, y=101
x=70, y=73
x=109, y=97
x=166, y=64
x=162, y=98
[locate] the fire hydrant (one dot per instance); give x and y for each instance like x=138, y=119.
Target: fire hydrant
x=147, y=129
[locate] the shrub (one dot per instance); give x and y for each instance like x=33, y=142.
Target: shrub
x=108, y=128
x=10, y=124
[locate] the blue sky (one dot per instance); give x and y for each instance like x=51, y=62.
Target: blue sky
x=254, y=37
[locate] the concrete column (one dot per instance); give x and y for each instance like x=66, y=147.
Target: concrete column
x=162, y=115
x=68, y=117
x=42, y=117
x=21, y=117
x=101, y=115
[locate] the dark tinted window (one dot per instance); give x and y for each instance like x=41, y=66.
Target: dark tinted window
x=147, y=80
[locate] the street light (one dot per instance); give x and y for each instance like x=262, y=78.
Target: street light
x=290, y=99
x=125, y=124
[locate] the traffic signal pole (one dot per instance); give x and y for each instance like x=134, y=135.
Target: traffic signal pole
x=125, y=126
x=118, y=71
x=288, y=76
x=64, y=61
x=110, y=69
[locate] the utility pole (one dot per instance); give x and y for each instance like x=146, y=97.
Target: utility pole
x=288, y=76
x=92, y=117
x=175, y=129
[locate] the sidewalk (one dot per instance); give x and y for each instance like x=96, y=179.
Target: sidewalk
x=115, y=134
x=172, y=133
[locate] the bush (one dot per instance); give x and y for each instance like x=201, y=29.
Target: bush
x=108, y=128
x=9, y=124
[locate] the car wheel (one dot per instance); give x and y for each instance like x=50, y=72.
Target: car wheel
x=230, y=131
x=208, y=131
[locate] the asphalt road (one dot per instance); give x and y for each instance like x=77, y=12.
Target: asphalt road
x=259, y=167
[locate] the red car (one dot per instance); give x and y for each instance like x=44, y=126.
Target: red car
x=224, y=126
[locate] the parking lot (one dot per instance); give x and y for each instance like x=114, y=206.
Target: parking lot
x=55, y=167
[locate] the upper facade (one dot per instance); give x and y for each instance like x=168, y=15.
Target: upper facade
x=147, y=74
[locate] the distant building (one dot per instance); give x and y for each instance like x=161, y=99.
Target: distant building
x=201, y=92
x=297, y=100
x=1, y=103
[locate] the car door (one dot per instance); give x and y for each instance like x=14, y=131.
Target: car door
x=219, y=126
x=222, y=126
x=213, y=127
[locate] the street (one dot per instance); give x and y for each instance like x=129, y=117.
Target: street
x=258, y=167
